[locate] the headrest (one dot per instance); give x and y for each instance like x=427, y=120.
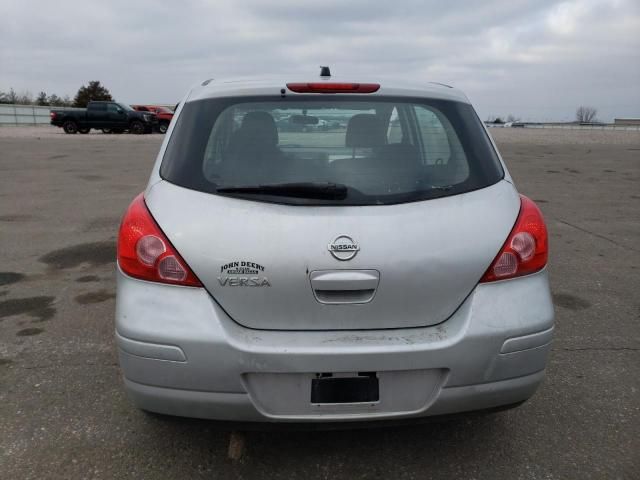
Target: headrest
x=260, y=128
x=365, y=130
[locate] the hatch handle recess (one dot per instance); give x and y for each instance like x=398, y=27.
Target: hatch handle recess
x=344, y=286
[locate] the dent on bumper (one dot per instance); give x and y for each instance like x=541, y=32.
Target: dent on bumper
x=181, y=354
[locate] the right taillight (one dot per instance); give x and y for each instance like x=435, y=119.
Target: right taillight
x=145, y=252
x=526, y=249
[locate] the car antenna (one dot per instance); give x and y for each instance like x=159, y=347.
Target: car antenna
x=324, y=71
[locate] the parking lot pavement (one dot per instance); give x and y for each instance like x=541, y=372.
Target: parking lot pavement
x=63, y=413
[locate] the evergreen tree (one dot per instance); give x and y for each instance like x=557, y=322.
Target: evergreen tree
x=92, y=91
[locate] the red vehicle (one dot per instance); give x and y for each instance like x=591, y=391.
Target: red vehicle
x=164, y=115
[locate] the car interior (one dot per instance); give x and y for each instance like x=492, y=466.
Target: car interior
x=384, y=149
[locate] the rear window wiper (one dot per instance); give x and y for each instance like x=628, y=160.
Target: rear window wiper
x=328, y=191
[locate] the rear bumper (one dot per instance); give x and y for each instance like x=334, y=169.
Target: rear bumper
x=239, y=406
x=182, y=355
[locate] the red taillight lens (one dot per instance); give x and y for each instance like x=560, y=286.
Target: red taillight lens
x=329, y=87
x=52, y=115
x=526, y=249
x=145, y=252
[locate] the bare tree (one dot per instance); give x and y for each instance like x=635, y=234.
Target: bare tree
x=54, y=100
x=12, y=96
x=25, y=98
x=512, y=118
x=586, y=114
x=42, y=99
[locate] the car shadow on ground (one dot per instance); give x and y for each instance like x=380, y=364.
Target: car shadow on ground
x=378, y=448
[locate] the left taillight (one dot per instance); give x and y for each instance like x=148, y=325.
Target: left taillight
x=53, y=115
x=144, y=251
x=526, y=249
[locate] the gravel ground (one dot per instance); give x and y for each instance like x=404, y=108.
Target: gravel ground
x=555, y=136
x=527, y=136
x=49, y=131
x=63, y=412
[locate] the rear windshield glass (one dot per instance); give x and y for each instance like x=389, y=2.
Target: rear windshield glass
x=376, y=151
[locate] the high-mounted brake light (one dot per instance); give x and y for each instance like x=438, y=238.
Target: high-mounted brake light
x=526, y=249
x=145, y=252
x=331, y=87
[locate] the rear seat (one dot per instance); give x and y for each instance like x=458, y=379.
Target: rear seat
x=366, y=135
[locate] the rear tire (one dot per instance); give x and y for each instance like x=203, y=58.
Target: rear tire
x=136, y=127
x=84, y=131
x=70, y=127
x=163, y=127
x=107, y=130
x=117, y=131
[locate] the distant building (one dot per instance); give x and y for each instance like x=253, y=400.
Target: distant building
x=626, y=121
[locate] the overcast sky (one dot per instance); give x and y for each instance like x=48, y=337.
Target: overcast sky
x=535, y=59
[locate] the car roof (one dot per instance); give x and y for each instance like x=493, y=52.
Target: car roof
x=266, y=86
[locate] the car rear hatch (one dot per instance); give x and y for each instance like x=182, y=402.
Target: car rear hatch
x=307, y=211
x=415, y=265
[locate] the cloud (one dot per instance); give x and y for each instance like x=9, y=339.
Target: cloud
x=536, y=59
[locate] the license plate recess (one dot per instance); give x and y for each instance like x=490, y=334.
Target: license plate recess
x=328, y=388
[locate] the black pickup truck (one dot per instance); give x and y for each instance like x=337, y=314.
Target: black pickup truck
x=110, y=117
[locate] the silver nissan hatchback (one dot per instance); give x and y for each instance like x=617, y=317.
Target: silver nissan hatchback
x=323, y=251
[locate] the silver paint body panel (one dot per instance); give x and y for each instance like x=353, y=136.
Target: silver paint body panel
x=430, y=254
x=458, y=362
